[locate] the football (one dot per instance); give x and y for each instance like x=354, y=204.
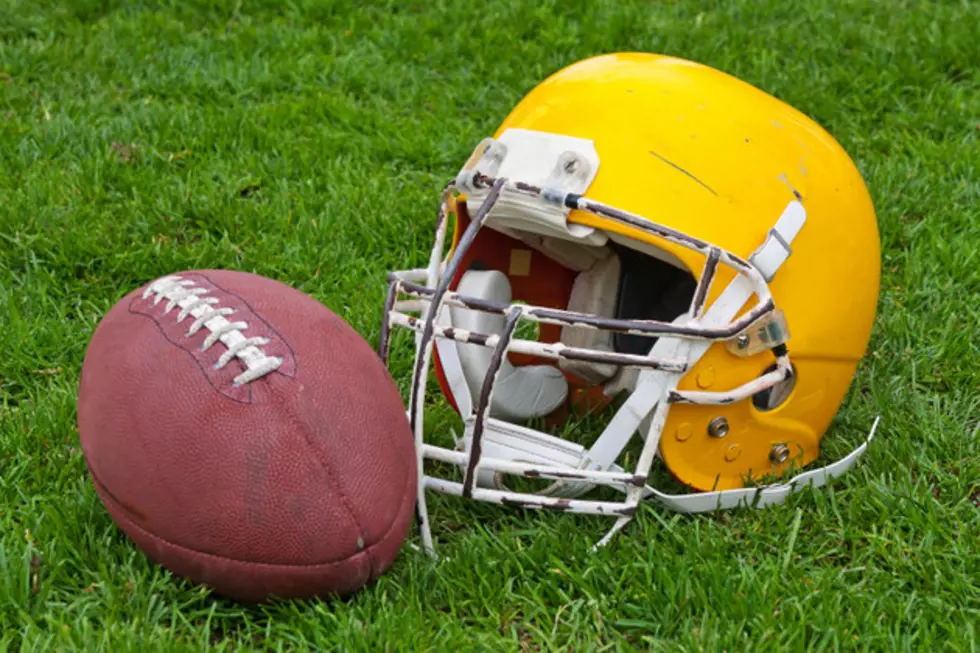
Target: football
x=247, y=438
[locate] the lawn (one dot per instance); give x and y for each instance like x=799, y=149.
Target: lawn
x=307, y=141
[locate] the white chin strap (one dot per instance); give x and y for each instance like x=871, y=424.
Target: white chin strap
x=760, y=497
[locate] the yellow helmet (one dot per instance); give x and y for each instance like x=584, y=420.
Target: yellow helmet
x=679, y=237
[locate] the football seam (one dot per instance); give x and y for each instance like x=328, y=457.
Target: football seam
x=331, y=474
x=367, y=550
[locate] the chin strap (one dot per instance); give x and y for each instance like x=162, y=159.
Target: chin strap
x=766, y=495
x=752, y=497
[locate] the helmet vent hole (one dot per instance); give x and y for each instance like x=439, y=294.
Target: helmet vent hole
x=774, y=397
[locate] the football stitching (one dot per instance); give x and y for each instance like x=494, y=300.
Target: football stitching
x=292, y=353
x=200, y=365
x=189, y=297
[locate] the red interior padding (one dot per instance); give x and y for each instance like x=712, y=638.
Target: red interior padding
x=547, y=284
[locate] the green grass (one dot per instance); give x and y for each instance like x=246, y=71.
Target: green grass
x=308, y=142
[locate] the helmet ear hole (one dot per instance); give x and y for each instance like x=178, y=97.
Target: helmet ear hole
x=774, y=397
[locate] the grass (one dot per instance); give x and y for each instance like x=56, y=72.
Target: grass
x=307, y=142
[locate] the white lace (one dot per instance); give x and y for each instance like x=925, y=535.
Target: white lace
x=183, y=293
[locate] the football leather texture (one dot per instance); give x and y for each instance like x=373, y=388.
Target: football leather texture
x=300, y=482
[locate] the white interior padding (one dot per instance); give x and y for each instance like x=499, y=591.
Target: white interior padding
x=593, y=292
x=561, y=163
x=520, y=393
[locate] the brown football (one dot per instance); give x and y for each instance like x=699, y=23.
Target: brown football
x=247, y=438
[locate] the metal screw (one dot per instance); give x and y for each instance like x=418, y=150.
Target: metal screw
x=718, y=427
x=743, y=341
x=779, y=453
x=571, y=166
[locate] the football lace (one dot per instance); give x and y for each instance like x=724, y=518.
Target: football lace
x=185, y=293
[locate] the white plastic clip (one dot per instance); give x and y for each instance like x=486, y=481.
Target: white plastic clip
x=774, y=252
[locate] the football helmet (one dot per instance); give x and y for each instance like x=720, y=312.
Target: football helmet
x=690, y=253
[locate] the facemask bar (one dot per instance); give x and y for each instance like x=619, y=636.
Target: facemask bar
x=430, y=298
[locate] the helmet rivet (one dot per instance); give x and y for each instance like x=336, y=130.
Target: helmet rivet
x=718, y=427
x=779, y=454
x=733, y=452
x=743, y=341
x=706, y=377
x=683, y=432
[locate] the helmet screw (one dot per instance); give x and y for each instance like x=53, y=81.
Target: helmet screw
x=779, y=453
x=718, y=427
x=571, y=166
x=742, y=341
